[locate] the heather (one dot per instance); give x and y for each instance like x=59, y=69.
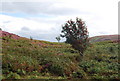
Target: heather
x=24, y=58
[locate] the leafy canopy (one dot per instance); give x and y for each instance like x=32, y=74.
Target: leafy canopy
x=76, y=34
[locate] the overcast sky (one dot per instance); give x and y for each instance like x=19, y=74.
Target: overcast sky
x=42, y=19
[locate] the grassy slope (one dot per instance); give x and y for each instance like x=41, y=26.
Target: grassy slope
x=25, y=59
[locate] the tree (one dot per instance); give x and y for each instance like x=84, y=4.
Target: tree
x=76, y=34
x=31, y=38
x=58, y=38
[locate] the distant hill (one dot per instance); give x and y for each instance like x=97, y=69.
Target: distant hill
x=114, y=38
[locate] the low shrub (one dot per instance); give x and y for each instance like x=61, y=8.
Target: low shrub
x=12, y=75
x=56, y=69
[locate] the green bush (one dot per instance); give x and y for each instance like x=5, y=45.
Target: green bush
x=56, y=69
x=12, y=75
x=79, y=74
x=21, y=72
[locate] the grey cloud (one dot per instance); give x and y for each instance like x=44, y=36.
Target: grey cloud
x=6, y=21
x=40, y=35
x=23, y=7
x=25, y=29
x=38, y=8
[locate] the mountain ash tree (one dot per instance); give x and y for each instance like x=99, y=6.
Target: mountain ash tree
x=76, y=34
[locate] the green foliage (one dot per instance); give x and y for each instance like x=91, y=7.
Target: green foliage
x=79, y=74
x=33, y=59
x=12, y=75
x=56, y=69
x=100, y=61
x=76, y=34
x=58, y=38
x=21, y=72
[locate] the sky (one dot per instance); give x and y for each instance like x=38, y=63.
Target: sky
x=43, y=19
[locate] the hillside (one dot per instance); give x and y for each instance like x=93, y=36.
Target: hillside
x=7, y=34
x=24, y=58
x=114, y=38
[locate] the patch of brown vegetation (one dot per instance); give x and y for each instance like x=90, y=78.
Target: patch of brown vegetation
x=6, y=34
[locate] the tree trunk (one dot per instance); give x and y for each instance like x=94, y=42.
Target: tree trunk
x=81, y=56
